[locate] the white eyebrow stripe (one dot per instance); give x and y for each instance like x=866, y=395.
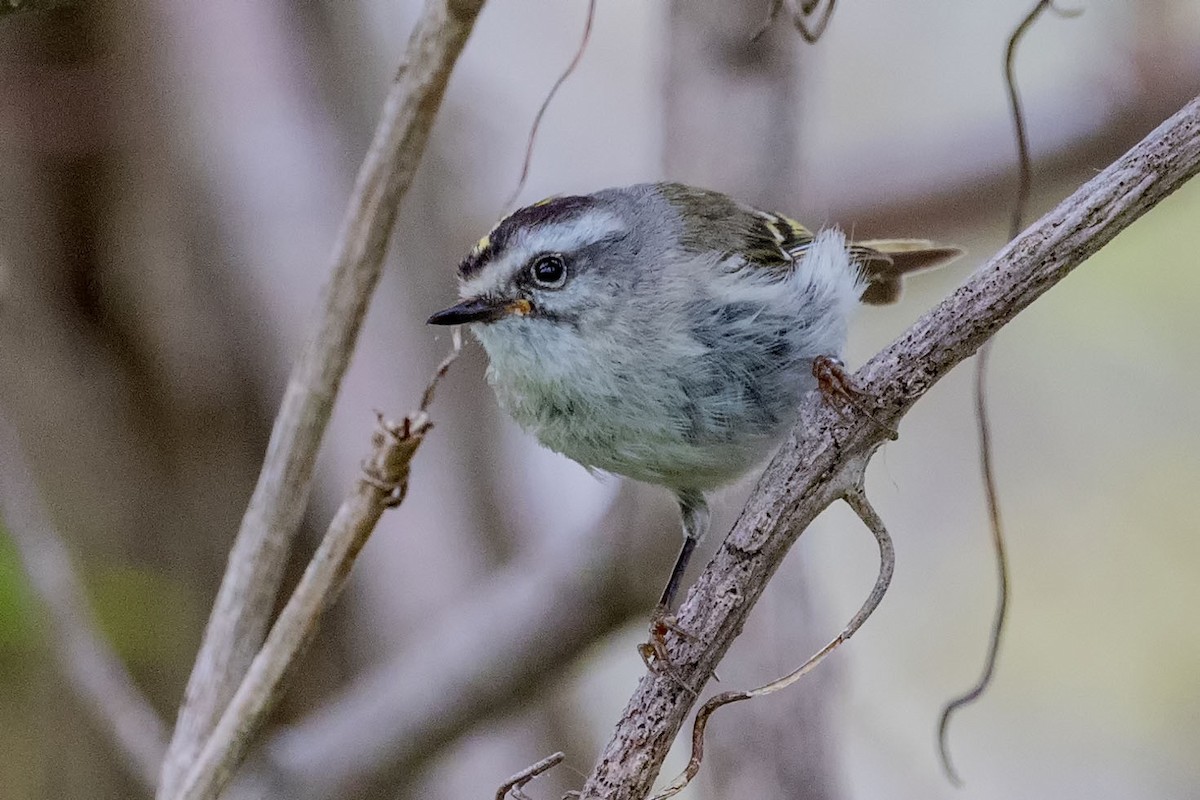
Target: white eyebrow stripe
x=565, y=236
x=572, y=234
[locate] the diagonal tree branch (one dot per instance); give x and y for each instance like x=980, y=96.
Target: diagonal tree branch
x=92, y=668
x=857, y=500
x=518, y=629
x=256, y=562
x=826, y=455
x=382, y=486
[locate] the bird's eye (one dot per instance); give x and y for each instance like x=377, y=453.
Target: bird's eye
x=549, y=271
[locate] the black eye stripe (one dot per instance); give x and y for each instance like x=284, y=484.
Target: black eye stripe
x=556, y=210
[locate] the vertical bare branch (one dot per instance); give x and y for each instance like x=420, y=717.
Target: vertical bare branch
x=244, y=602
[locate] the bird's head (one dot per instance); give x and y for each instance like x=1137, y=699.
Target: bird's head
x=554, y=262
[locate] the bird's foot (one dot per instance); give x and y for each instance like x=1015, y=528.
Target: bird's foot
x=654, y=652
x=839, y=390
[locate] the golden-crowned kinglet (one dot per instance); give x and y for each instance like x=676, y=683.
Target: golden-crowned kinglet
x=666, y=333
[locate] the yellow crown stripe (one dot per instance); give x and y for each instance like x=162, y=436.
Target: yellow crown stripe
x=797, y=230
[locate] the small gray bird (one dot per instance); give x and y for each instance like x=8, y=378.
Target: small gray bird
x=666, y=333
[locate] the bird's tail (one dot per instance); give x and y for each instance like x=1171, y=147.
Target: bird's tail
x=885, y=262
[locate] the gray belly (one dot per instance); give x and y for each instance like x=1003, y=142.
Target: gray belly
x=691, y=399
x=695, y=424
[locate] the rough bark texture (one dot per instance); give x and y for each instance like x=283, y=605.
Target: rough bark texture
x=825, y=456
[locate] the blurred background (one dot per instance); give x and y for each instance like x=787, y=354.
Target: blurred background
x=172, y=176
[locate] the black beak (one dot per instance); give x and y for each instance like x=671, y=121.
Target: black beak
x=480, y=309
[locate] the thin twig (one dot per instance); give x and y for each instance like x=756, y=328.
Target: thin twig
x=518, y=781
x=382, y=486
x=442, y=368
x=541, y=112
x=1002, y=582
x=800, y=18
x=1024, y=168
x=1017, y=112
x=987, y=468
x=857, y=500
x=820, y=460
x=91, y=667
x=255, y=569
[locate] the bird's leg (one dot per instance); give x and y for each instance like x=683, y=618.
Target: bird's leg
x=694, y=510
x=839, y=390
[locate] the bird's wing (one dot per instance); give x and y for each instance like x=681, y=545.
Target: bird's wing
x=776, y=240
